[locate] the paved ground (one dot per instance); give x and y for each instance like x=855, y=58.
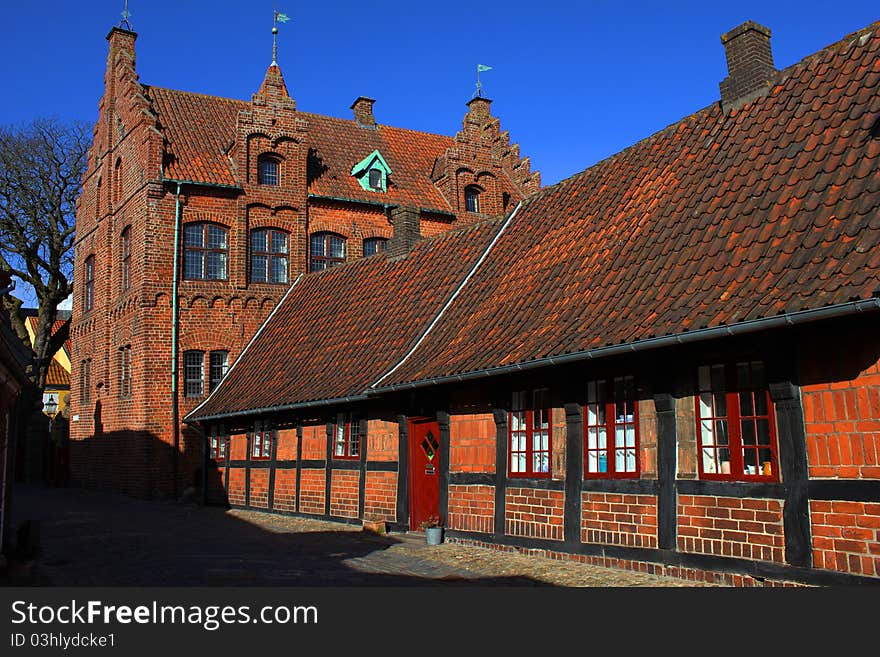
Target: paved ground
x=99, y=539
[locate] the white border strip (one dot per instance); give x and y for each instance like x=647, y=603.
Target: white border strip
x=452, y=298
x=247, y=346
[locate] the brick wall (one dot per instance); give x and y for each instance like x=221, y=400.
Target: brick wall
x=344, y=489
x=846, y=536
x=314, y=442
x=286, y=449
x=285, y=490
x=238, y=447
x=311, y=492
x=382, y=440
x=534, y=513
x=843, y=426
x=471, y=508
x=733, y=527
x=216, y=488
x=619, y=519
x=260, y=488
x=472, y=443
x=380, y=496
x=236, y=486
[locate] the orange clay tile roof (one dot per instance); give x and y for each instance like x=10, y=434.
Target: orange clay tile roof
x=33, y=319
x=57, y=376
x=719, y=219
x=337, y=328
x=199, y=130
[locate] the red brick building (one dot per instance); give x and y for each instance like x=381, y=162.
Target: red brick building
x=198, y=212
x=669, y=361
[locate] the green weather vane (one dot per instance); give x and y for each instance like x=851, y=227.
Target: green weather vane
x=480, y=69
x=126, y=14
x=278, y=18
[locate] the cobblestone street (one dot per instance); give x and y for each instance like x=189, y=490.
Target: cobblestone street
x=102, y=539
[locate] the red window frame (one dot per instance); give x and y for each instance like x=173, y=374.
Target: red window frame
x=217, y=444
x=611, y=429
x=733, y=404
x=347, y=437
x=529, y=420
x=261, y=442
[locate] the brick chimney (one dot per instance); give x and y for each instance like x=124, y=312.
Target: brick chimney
x=363, y=111
x=749, y=65
x=406, y=231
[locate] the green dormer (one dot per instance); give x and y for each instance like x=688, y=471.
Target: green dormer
x=372, y=172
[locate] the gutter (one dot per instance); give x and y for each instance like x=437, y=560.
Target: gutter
x=690, y=337
x=196, y=183
x=272, y=409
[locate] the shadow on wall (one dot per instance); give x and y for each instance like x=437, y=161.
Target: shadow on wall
x=149, y=543
x=139, y=464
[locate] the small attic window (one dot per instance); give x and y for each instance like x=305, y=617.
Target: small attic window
x=267, y=170
x=472, y=198
x=376, y=179
x=372, y=172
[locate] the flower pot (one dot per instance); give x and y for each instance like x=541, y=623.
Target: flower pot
x=434, y=535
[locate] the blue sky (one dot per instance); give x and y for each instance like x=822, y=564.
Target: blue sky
x=573, y=82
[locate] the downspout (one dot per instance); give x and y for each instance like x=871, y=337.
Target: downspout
x=175, y=328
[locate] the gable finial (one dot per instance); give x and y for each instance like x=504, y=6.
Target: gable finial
x=480, y=68
x=126, y=14
x=278, y=18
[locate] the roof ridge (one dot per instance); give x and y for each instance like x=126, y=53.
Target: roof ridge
x=194, y=93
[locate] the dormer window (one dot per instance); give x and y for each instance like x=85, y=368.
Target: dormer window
x=267, y=170
x=376, y=179
x=372, y=172
x=472, y=198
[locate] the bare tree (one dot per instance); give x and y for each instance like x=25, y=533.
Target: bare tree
x=41, y=170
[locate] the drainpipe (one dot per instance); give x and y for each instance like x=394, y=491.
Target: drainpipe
x=175, y=328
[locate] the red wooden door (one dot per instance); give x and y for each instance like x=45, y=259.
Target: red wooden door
x=424, y=471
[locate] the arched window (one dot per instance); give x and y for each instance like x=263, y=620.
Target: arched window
x=374, y=245
x=126, y=257
x=205, y=252
x=269, y=256
x=326, y=250
x=89, y=283
x=98, y=199
x=267, y=170
x=472, y=198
